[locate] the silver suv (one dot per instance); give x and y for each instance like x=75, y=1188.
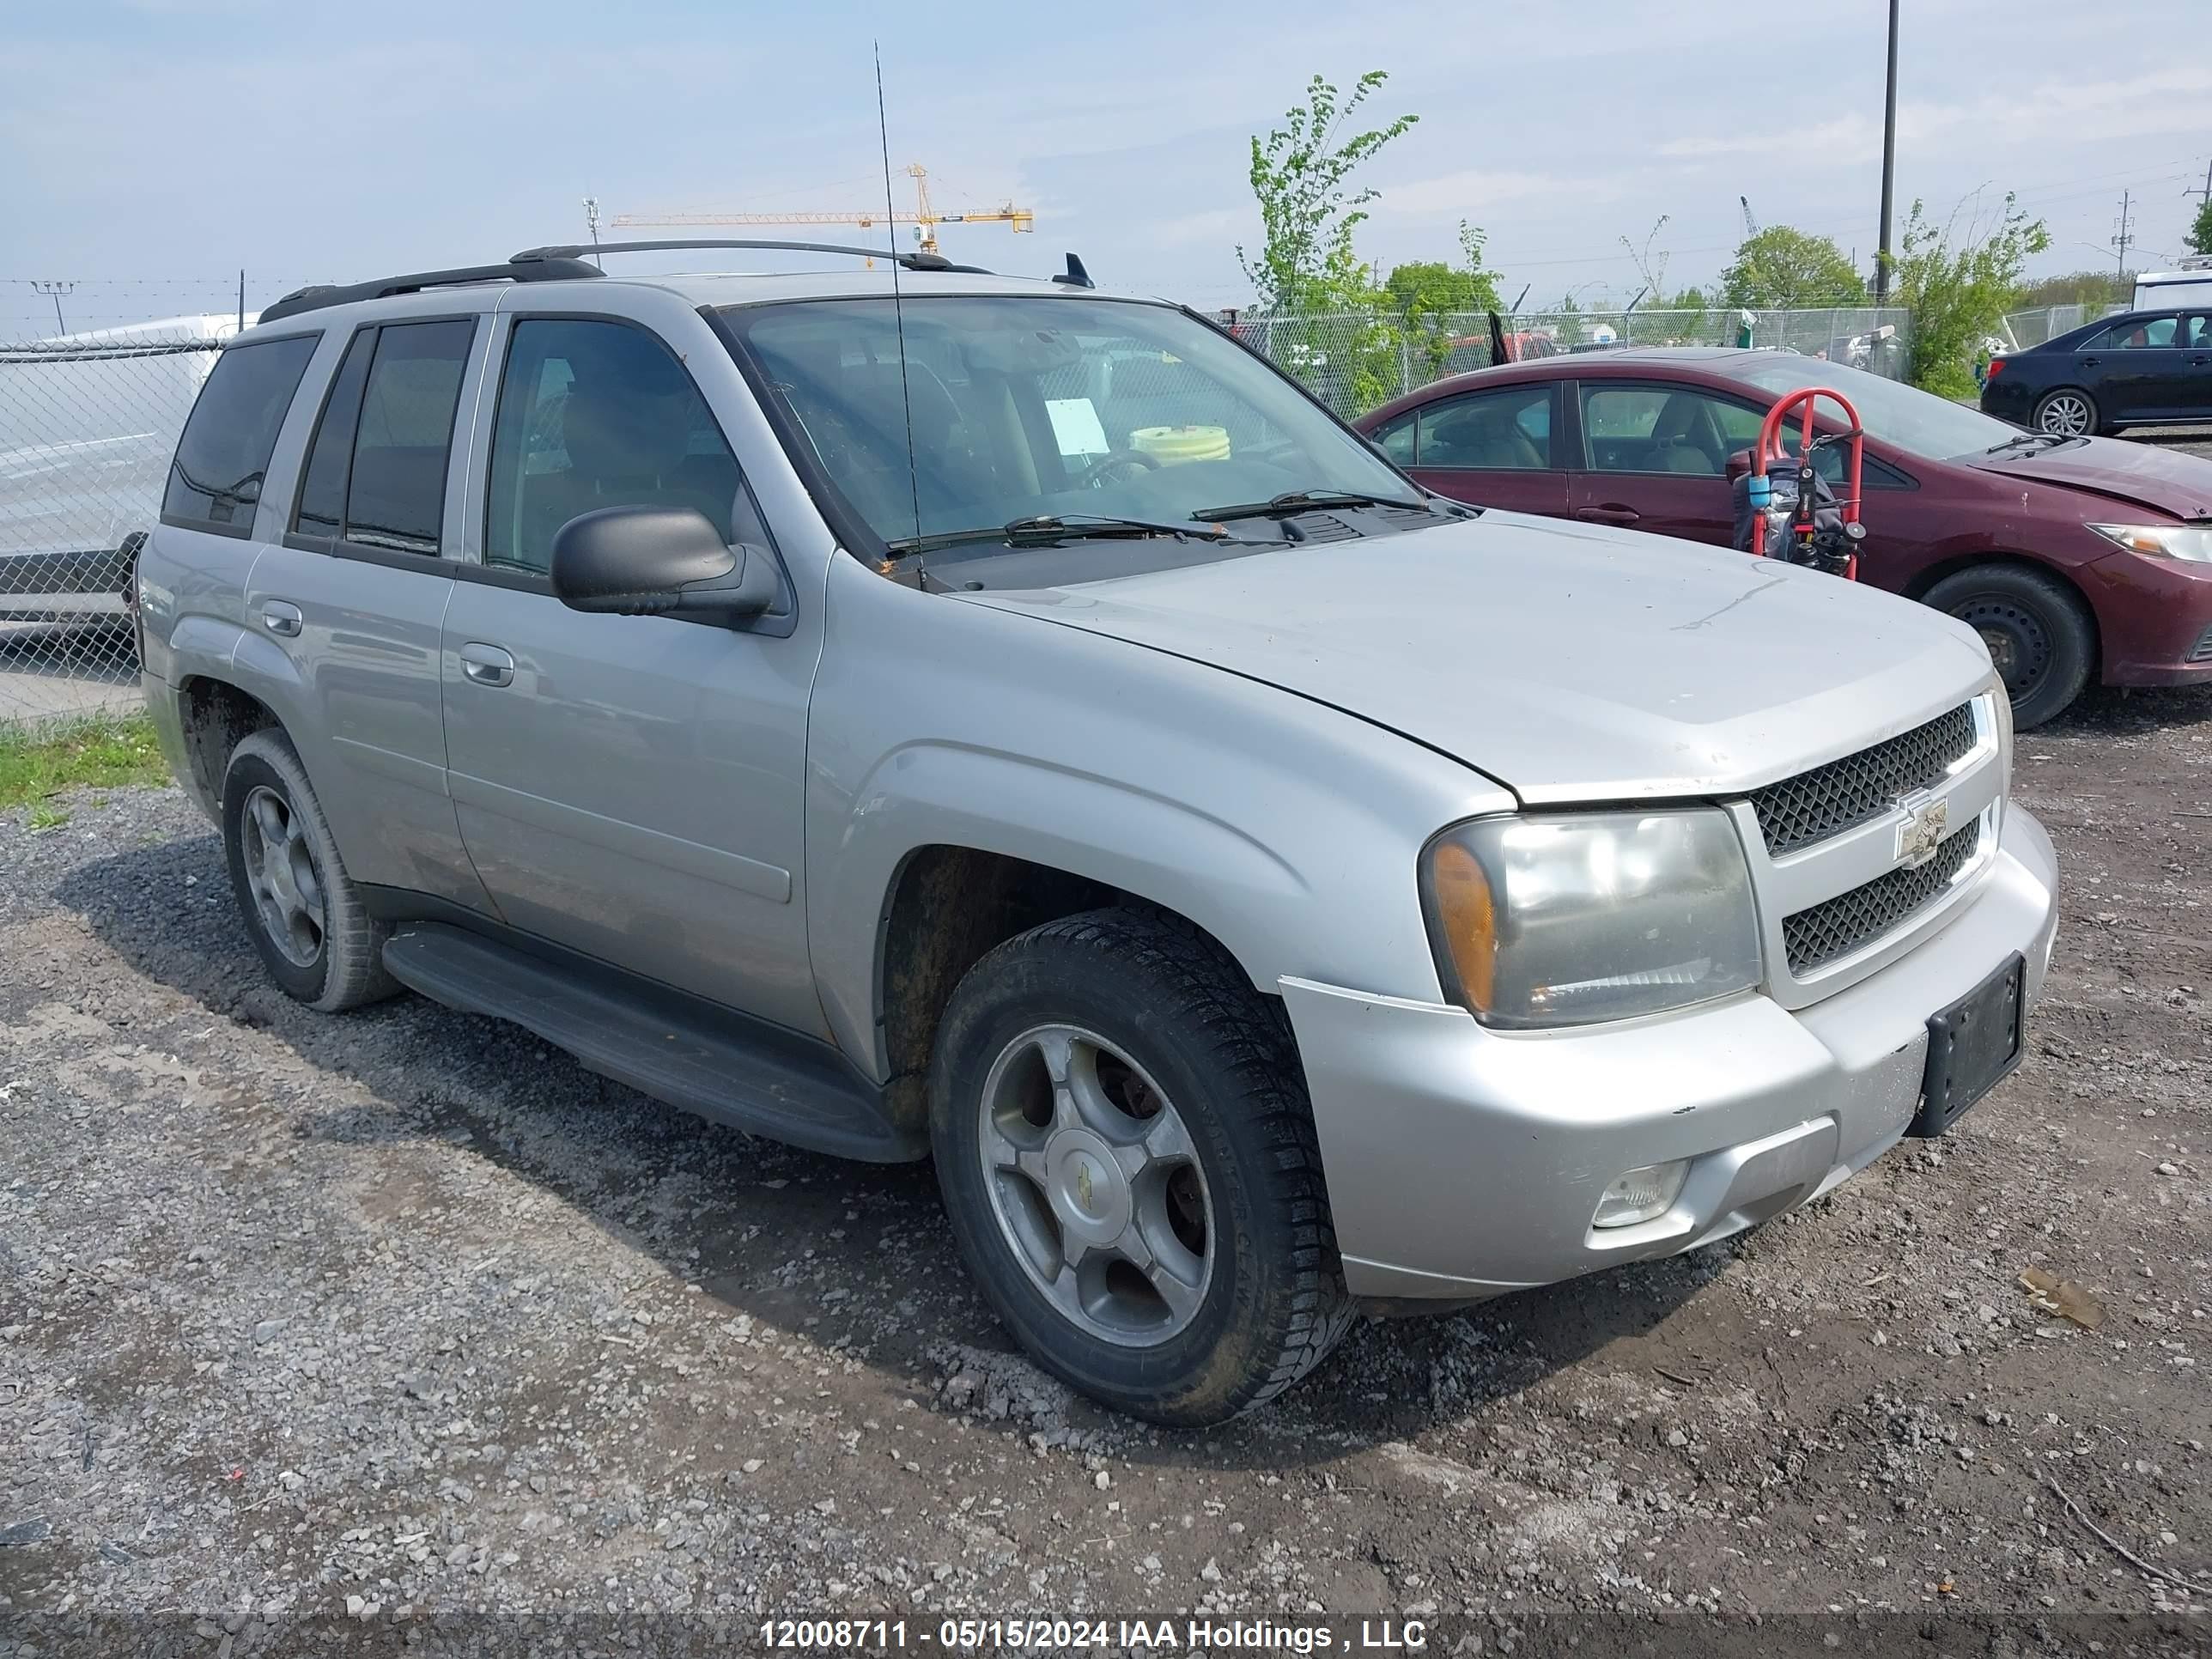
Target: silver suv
x=912, y=713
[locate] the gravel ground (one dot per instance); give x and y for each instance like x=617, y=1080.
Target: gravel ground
x=399, y=1313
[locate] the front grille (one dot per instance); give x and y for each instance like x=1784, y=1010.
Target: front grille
x=2203, y=651
x=1815, y=937
x=1831, y=799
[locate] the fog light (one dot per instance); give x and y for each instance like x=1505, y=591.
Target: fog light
x=1641, y=1194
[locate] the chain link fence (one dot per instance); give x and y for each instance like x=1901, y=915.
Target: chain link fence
x=2032, y=328
x=88, y=422
x=1354, y=361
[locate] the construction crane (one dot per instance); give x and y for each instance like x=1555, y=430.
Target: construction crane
x=924, y=219
x=1750, y=224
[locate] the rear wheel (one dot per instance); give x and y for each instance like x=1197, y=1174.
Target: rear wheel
x=2068, y=412
x=303, y=911
x=1127, y=1153
x=2038, y=632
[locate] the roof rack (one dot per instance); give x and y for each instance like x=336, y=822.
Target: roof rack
x=316, y=296
x=915, y=261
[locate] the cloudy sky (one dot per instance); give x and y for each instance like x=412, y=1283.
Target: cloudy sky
x=147, y=147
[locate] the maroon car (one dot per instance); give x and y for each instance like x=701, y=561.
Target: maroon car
x=2071, y=557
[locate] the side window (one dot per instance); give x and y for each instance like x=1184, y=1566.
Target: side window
x=376, y=469
x=1648, y=428
x=2200, y=331
x=1396, y=439
x=2135, y=334
x=397, y=497
x=223, y=455
x=601, y=413
x=1507, y=429
x=321, y=510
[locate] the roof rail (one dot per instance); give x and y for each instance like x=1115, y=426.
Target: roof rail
x=915, y=261
x=315, y=296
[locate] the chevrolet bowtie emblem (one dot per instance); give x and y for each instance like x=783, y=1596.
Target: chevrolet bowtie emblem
x=1927, y=821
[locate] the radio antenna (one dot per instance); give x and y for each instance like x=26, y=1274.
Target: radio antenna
x=898, y=312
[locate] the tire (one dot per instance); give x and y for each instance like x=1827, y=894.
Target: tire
x=2039, y=632
x=2069, y=411
x=302, y=910
x=1233, y=1210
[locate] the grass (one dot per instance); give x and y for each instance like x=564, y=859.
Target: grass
x=104, y=752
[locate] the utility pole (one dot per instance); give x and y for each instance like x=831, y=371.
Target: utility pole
x=2122, y=238
x=54, y=291
x=1888, y=164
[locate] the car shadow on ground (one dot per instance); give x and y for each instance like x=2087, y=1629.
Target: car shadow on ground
x=738, y=1216
x=2105, y=711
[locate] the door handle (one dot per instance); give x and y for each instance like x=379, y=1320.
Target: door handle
x=487, y=664
x=1609, y=514
x=2089, y=362
x=280, y=618
x=2199, y=361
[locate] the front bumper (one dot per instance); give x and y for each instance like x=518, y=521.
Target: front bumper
x=1462, y=1162
x=2154, y=618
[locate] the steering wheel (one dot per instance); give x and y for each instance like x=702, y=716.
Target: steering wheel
x=1102, y=471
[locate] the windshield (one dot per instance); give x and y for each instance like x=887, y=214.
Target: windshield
x=1044, y=406
x=1920, y=422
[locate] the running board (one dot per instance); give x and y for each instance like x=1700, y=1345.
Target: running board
x=716, y=1062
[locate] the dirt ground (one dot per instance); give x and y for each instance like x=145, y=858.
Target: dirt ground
x=398, y=1314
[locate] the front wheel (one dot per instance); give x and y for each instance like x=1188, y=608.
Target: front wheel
x=2039, y=634
x=1126, y=1153
x=2067, y=413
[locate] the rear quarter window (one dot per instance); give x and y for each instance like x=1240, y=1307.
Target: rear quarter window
x=223, y=457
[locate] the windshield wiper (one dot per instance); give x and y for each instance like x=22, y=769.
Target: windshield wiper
x=1048, y=530
x=2054, y=440
x=1302, y=501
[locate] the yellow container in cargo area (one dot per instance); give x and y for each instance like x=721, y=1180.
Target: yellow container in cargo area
x=1171, y=445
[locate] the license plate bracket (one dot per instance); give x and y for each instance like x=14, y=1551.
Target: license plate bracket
x=1971, y=1046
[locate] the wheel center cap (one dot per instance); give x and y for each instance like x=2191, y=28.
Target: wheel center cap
x=1088, y=1188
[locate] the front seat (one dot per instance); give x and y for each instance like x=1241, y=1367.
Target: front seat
x=1482, y=438
x=1680, y=446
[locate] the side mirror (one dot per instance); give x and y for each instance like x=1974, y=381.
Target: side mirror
x=1738, y=464
x=658, y=561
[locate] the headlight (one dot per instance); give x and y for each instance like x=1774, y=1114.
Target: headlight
x=1567, y=918
x=2192, y=542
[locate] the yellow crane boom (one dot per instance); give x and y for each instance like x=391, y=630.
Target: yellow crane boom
x=923, y=215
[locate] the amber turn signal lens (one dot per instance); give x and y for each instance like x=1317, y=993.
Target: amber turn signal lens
x=1469, y=916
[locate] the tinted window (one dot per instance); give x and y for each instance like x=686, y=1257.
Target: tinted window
x=223, y=455
x=329, y=457
x=1643, y=429
x=2137, y=334
x=595, y=415
x=397, y=496
x=1507, y=429
x=2200, y=331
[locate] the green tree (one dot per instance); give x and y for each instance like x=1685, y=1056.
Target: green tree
x=1306, y=270
x=2075, y=288
x=1429, y=293
x=1782, y=267
x=1302, y=175
x=2199, y=234
x=1960, y=279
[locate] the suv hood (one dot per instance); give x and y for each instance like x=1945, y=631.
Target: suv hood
x=1569, y=663
x=2164, y=480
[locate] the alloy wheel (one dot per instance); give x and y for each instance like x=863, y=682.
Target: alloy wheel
x=282, y=873
x=1095, y=1185
x=2065, y=413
